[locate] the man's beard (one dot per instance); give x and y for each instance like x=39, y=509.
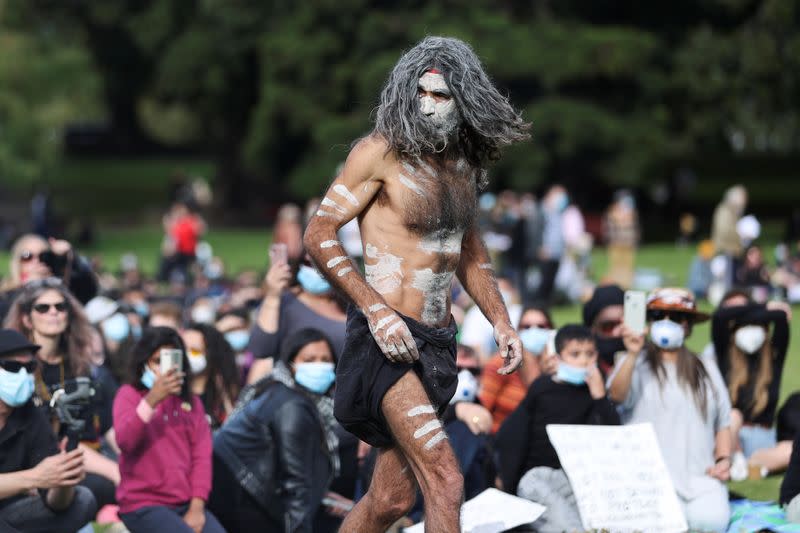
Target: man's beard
x=441, y=134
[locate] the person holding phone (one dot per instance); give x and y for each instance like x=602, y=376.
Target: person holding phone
x=661, y=382
x=293, y=300
x=39, y=479
x=35, y=258
x=165, y=442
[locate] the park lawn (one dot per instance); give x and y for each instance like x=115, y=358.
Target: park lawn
x=247, y=249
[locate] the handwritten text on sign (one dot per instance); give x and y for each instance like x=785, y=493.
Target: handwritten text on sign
x=618, y=477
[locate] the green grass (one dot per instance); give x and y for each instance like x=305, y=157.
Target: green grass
x=247, y=249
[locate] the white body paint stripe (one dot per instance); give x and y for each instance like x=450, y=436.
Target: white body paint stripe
x=421, y=410
x=345, y=193
x=405, y=180
x=441, y=243
x=427, y=428
x=394, y=327
x=385, y=321
x=322, y=213
x=486, y=266
x=436, y=439
x=328, y=244
x=336, y=207
x=374, y=308
x=336, y=260
x=344, y=271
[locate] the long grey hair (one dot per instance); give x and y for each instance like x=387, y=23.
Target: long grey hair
x=488, y=121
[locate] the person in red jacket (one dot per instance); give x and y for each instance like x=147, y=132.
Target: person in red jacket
x=165, y=443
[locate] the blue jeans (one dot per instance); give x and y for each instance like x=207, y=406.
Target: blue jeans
x=753, y=438
x=167, y=519
x=31, y=515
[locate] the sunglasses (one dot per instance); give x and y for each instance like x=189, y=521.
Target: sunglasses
x=15, y=366
x=27, y=256
x=44, y=308
x=675, y=316
x=607, y=327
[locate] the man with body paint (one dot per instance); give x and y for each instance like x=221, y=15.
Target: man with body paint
x=413, y=183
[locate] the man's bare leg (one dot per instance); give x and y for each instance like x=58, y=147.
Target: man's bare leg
x=391, y=495
x=423, y=442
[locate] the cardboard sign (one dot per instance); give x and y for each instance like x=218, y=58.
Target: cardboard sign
x=492, y=511
x=619, y=478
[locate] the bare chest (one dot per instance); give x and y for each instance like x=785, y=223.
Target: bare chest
x=435, y=202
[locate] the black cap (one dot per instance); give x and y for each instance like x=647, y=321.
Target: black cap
x=12, y=341
x=603, y=297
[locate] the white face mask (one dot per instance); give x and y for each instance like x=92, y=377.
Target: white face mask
x=666, y=334
x=197, y=362
x=443, y=114
x=750, y=339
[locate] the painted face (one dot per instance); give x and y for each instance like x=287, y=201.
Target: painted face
x=436, y=101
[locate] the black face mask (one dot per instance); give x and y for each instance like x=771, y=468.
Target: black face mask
x=607, y=347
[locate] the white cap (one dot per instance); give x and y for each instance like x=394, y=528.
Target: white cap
x=99, y=308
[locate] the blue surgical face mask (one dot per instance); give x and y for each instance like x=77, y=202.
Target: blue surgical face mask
x=312, y=281
x=238, y=339
x=534, y=339
x=136, y=331
x=16, y=388
x=666, y=334
x=316, y=377
x=574, y=375
x=142, y=308
x=116, y=327
x=148, y=377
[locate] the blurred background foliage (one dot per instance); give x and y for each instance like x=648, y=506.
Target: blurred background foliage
x=272, y=93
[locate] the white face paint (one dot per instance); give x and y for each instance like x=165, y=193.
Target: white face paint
x=435, y=287
x=345, y=193
x=385, y=275
x=442, y=113
x=421, y=410
x=442, y=242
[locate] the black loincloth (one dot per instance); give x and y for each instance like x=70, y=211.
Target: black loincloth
x=364, y=375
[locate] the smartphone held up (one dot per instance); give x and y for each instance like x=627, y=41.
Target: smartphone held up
x=635, y=309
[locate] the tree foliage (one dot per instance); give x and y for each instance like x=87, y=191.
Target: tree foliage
x=277, y=91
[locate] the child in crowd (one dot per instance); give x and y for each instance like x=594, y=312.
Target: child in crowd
x=686, y=401
x=576, y=394
x=165, y=443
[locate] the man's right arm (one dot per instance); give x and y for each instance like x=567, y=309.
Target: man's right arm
x=346, y=198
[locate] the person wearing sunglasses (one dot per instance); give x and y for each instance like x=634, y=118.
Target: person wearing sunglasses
x=500, y=393
x=47, y=313
x=35, y=258
x=660, y=381
x=39, y=489
x=603, y=314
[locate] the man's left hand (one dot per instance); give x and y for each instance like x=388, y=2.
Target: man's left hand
x=60, y=246
x=510, y=347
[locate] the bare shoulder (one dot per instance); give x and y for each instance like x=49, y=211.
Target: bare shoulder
x=369, y=157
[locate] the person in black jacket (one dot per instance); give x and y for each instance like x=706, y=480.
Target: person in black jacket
x=751, y=342
x=278, y=451
x=576, y=394
x=34, y=258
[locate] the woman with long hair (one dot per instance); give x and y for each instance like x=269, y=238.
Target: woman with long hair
x=215, y=378
x=47, y=313
x=662, y=382
x=276, y=455
x=751, y=342
x=165, y=442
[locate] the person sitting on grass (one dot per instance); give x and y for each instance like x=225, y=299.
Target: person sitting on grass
x=576, y=394
x=685, y=399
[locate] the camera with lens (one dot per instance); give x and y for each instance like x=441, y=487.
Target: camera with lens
x=68, y=406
